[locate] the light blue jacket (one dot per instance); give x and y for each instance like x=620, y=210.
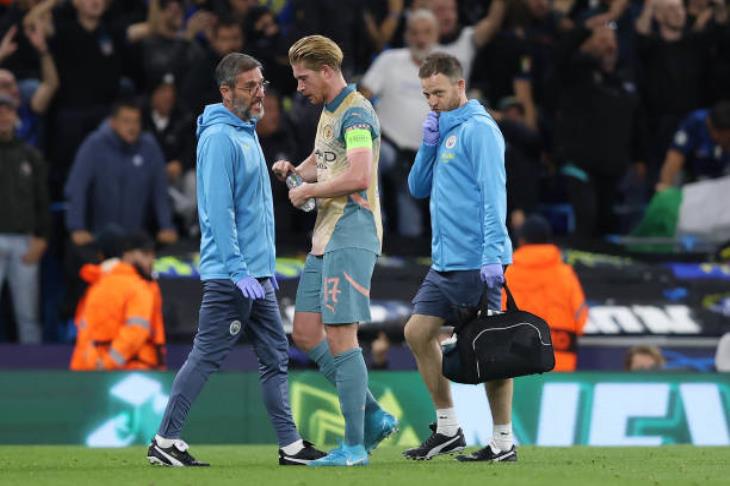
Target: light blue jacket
x=465, y=178
x=235, y=206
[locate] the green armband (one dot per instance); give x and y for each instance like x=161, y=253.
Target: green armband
x=356, y=138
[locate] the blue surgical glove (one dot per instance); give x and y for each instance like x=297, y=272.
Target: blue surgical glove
x=251, y=288
x=492, y=275
x=431, y=129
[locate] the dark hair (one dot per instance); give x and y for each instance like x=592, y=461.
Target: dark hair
x=125, y=103
x=720, y=116
x=232, y=65
x=226, y=21
x=441, y=63
x=535, y=230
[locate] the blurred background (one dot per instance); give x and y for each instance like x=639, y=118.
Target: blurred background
x=616, y=115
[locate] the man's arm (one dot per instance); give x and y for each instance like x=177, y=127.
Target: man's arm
x=356, y=178
x=77, y=186
x=216, y=163
x=135, y=329
x=673, y=164
x=420, y=178
x=577, y=302
x=308, y=168
x=487, y=28
x=49, y=75
x=486, y=151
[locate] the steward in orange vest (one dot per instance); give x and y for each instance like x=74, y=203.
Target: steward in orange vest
x=545, y=286
x=119, y=319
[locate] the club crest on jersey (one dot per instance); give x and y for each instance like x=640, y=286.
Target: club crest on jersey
x=328, y=133
x=450, y=142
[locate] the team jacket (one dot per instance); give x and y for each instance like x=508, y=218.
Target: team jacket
x=465, y=178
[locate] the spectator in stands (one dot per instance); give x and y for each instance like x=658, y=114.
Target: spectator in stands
x=24, y=221
x=174, y=127
x=167, y=48
x=278, y=143
x=265, y=42
x=522, y=160
x=701, y=147
x=88, y=53
x=542, y=284
x=463, y=42
x=118, y=177
x=596, y=145
x=392, y=82
x=119, y=319
x=674, y=62
x=644, y=358
x=199, y=87
x=33, y=102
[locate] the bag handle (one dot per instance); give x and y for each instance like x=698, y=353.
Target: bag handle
x=511, y=304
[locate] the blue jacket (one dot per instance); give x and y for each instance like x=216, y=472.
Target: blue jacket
x=235, y=206
x=465, y=178
x=114, y=182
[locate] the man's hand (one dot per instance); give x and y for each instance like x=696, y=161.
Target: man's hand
x=167, y=236
x=299, y=195
x=251, y=288
x=37, y=37
x=36, y=249
x=492, y=275
x=174, y=170
x=8, y=45
x=431, y=129
x=81, y=237
x=281, y=169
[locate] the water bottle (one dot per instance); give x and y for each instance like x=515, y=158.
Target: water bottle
x=295, y=180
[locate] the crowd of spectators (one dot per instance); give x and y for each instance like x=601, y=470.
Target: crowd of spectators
x=602, y=103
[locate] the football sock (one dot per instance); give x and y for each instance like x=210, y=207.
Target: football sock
x=446, y=422
x=164, y=443
x=502, y=438
x=321, y=355
x=352, y=385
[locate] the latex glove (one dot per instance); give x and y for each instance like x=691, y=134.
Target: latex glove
x=431, y=129
x=274, y=282
x=251, y=288
x=492, y=275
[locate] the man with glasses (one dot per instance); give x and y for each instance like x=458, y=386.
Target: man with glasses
x=237, y=261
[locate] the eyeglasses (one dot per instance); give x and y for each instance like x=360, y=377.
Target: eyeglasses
x=253, y=88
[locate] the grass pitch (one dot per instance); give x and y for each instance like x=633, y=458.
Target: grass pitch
x=257, y=465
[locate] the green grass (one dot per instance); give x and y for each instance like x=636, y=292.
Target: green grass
x=256, y=465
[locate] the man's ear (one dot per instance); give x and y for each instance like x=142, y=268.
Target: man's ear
x=225, y=92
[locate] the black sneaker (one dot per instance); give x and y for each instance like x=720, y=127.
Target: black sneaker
x=488, y=455
x=176, y=455
x=308, y=454
x=436, y=445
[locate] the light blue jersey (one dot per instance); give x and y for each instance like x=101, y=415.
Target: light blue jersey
x=465, y=178
x=235, y=206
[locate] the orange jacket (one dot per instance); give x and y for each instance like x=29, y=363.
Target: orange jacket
x=119, y=320
x=545, y=286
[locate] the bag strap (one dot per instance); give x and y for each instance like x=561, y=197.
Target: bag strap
x=484, y=301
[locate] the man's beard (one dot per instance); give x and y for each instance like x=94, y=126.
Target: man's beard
x=420, y=54
x=243, y=110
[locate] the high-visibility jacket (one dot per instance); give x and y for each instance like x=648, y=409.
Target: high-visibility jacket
x=545, y=286
x=119, y=320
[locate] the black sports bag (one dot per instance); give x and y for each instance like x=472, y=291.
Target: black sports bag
x=493, y=346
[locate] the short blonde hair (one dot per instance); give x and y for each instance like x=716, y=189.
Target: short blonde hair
x=316, y=51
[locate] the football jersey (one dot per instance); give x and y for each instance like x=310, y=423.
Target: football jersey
x=351, y=221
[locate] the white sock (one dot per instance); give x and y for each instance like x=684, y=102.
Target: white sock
x=164, y=443
x=502, y=438
x=293, y=448
x=446, y=422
